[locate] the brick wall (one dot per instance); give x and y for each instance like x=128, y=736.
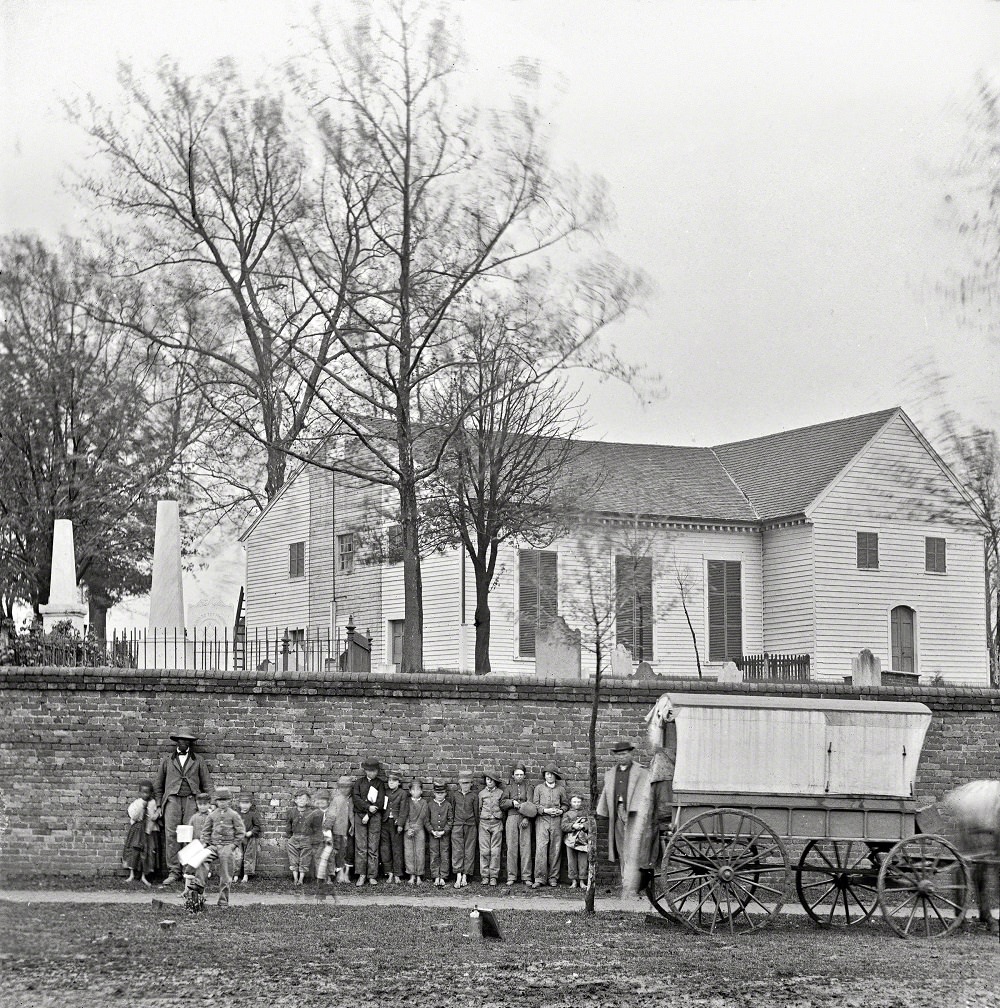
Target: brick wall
x=76, y=741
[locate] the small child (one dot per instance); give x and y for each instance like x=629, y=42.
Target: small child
x=392, y=829
x=222, y=831
x=302, y=823
x=415, y=821
x=246, y=850
x=340, y=819
x=576, y=838
x=490, y=828
x=198, y=877
x=139, y=853
x=440, y=817
x=463, y=831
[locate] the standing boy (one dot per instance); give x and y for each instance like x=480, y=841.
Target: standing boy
x=550, y=798
x=340, y=818
x=440, y=819
x=490, y=828
x=415, y=822
x=222, y=831
x=517, y=828
x=370, y=805
x=199, y=875
x=576, y=839
x=302, y=824
x=246, y=849
x=392, y=848
x=463, y=830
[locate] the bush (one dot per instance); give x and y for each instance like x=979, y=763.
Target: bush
x=62, y=645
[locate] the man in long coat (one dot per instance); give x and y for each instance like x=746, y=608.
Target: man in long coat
x=626, y=786
x=181, y=776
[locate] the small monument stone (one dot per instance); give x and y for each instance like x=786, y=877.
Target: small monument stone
x=730, y=673
x=557, y=651
x=866, y=670
x=64, y=596
x=621, y=661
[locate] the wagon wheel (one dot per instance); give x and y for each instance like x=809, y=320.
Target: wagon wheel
x=724, y=870
x=837, y=882
x=922, y=887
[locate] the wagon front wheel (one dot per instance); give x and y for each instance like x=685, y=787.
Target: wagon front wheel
x=922, y=887
x=723, y=871
x=836, y=882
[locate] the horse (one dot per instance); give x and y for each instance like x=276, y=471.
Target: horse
x=972, y=812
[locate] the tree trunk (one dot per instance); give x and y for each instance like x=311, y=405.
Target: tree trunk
x=482, y=620
x=276, y=463
x=412, y=658
x=590, y=896
x=98, y=616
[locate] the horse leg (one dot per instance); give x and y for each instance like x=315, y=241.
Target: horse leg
x=981, y=879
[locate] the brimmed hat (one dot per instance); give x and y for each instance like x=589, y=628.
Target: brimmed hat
x=552, y=769
x=439, y=785
x=393, y=775
x=518, y=766
x=345, y=780
x=371, y=763
x=528, y=809
x=494, y=775
x=202, y=796
x=622, y=746
x=465, y=775
x=223, y=793
x=184, y=733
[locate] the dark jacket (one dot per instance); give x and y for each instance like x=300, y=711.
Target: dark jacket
x=167, y=782
x=416, y=814
x=359, y=794
x=440, y=816
x=398, y=801
x=304, y=823
x=223, y=826
x=515, y=792
x=252, y=821
x=466, y=807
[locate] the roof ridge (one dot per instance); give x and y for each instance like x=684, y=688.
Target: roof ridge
x=809, y=427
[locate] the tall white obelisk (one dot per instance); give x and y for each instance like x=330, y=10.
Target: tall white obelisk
x=165, y=642
x=64, y=595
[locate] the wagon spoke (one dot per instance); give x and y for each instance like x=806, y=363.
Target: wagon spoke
x=751, y=896
x=751, y=855
x=822, y=853
x=823, y=896
x=833, y=906
x=913, y=912
x=937, y=913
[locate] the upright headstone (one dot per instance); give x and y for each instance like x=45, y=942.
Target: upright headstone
x=557, y=650
x=621, y=661
x=730, y=673
x=64, y=596
x=166, y=596
x=866, y=670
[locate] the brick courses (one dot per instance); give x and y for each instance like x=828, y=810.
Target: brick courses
x=77, y=741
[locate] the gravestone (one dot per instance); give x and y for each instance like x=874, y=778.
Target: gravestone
x=64, y=595
x=557, y=651
x=866, y=670
x=621, y=661
x=730, y=673
x=644, y=671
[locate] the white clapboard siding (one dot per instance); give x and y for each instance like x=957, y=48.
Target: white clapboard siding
x=442, y=579
x=895, y=488
x=789, y=624
x=320, y=549
x=273, y=599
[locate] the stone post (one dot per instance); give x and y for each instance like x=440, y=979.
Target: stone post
x=64, y=596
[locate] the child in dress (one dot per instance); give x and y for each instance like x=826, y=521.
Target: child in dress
x=246, y=849
x=415, y=821
x=440, y=817
x=302, y=825
x=576, y=839
x=139, y=853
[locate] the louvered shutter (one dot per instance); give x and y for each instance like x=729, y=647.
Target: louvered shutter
x=734, y=610
x=643, y=608
x=548, y=587
x=624, y=607
x=527, y=602
x=716, y=610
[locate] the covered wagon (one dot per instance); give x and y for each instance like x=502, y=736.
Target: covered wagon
x=832, y=781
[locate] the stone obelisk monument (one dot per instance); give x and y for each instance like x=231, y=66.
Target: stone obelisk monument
x=64, y=596
x=165, y=644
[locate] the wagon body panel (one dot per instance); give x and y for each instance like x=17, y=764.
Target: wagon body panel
x=738, y=745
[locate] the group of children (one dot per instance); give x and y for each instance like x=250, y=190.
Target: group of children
x=375, y=824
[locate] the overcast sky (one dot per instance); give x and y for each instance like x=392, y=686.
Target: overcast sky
x=779, y=170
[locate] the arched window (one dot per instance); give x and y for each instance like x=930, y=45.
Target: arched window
x=904, y=649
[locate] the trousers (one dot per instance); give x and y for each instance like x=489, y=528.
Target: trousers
x=245, y=857
x=577, y=864
x=415, y=851
x=391, y=847
x=490, y=842
x=548, y=846
x=440, y=855
x=463, y=848
x=367, y=838
x=517, y=831
x=225, y=862
x=177, y=811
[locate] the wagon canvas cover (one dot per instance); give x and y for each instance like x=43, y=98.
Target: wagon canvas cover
x=790, y=746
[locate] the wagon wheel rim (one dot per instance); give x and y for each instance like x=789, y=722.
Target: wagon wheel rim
x=837, y=882
x=923, y=887
x=723, y=872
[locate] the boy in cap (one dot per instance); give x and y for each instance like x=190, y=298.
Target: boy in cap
x=302, y=825
x=517, y=828
x=490, y=828
x=624, y=785
x=370, y=805
x=246, y=850
x=180, y=777
x=222, y=831
x=415, y=822
x=440, y=817
x=392, y=848
x=550, y=797
x=203, y=808
x=463, y=830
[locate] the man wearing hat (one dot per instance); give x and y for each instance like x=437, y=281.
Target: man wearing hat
x=371, y=802
x=625, y=784
x=517, y=828
x=181, y=776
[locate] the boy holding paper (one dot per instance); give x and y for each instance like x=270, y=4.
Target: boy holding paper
x=371, y=803
x=222, y=830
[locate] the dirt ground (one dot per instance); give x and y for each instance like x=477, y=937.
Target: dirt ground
x=324, y=955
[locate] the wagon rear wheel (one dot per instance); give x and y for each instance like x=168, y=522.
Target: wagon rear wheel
x=922, y=887
x=723, y=871
x=837, y=882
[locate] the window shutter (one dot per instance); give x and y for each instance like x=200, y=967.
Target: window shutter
x=624, y=604
x=734, y=610
x=716, y=610
x=548, y=587
x=643, y=602
x=527, y=602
